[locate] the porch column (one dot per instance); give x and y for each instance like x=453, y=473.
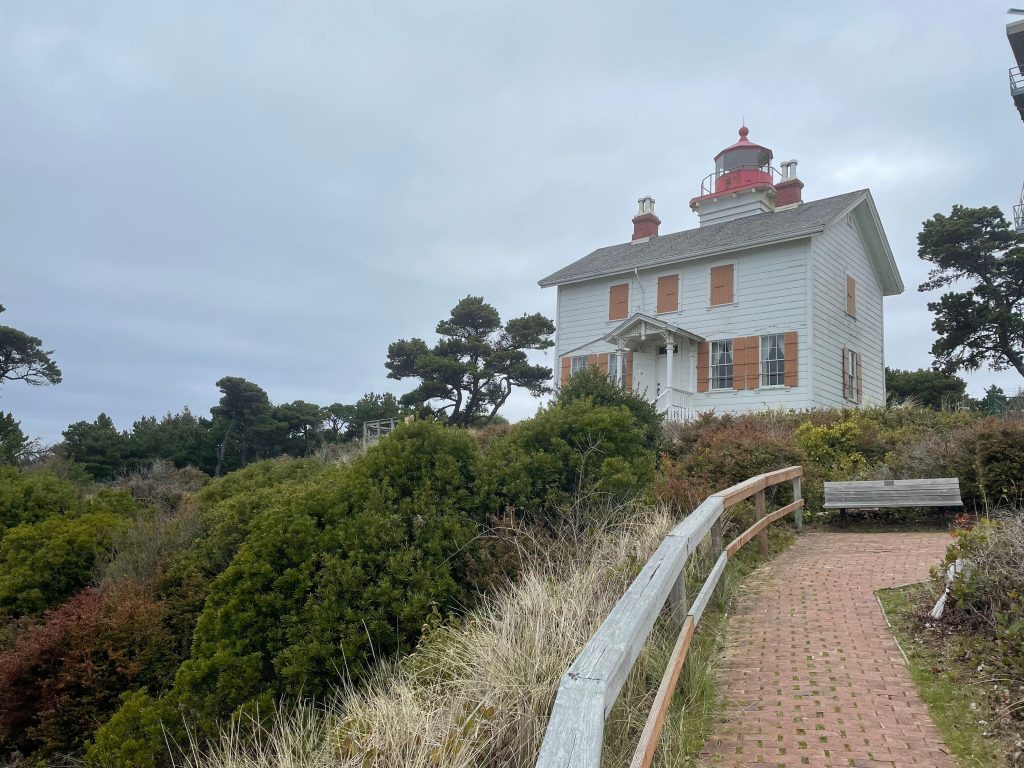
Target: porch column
x=669, y=338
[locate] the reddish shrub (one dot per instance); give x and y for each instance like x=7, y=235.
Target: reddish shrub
x=711, y=454
x=64, y=674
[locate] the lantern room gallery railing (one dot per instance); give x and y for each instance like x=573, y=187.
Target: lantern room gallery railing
x=587, y=691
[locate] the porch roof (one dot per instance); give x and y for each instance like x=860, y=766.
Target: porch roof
x=639, y=325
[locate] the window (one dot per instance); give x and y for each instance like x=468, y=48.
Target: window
x=668, y=293
x=851, y=296
x=773, y=360
x=851, y=375
x=722, y=285
x=576, y=364
x=618, y=301
x=721, y=364
x=617, y=369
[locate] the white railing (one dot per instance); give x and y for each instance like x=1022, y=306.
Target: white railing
x=676, y=404
x=587, y=691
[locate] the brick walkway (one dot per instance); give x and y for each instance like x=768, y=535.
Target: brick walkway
x=812, y=674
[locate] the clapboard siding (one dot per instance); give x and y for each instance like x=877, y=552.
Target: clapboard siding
x=837, y=252
x=770, y=296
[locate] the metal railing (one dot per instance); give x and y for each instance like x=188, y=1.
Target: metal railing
x=1018, y=213
x=588, y=690
x=708, y=185
x=1016, y=81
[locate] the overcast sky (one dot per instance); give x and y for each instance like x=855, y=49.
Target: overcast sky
x=277, y=190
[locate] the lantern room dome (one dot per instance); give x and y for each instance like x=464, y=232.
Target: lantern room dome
x=743, y=154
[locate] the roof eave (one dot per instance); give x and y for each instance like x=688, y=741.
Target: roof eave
x=547, y=282
x=882, y=258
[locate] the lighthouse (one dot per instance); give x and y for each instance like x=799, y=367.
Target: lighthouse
x=745, y=183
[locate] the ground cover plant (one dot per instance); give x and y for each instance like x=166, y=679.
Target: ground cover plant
x=969, y=664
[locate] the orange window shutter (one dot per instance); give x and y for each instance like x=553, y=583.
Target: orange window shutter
x=851, y=296
x=591, y=361
x=618, y=302
x=791, y=359
x=703, y=358
x=860, y=380
x=739, y=363
x=602, y=363
x=629, y=371
x=846, y=374
x=721, y=284
x=565, y=370
x=668, y=293
x=753, y=362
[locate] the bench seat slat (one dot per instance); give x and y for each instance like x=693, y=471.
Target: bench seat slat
x=873, y=494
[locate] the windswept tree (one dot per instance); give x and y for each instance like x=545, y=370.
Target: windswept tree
x=470, y=372
x=975, y=249
x=304, y=424
x=22, y=358
x=98, y=446
x=243, y=420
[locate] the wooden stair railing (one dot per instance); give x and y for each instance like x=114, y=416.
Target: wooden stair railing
x=587, y=691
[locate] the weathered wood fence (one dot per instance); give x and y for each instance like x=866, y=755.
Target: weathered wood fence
x=587, y=691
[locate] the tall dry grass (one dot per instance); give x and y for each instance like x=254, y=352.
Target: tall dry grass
x=478, y=692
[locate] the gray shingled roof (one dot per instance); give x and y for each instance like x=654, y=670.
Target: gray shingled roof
x=806, y=219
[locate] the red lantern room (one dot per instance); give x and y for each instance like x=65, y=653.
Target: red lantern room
x=744, y=164
x=744, y=183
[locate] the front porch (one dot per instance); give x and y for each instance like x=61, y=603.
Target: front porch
x=664, y=363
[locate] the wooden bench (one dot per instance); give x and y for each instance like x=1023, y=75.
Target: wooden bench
x=876, y=494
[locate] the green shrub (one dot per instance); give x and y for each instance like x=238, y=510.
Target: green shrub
x=335, y=573
x=134, y=736
x=569, y=450
x=991, y=465
x=594, y=386
x=28, y=497
x=209, y=530
x=43, y=563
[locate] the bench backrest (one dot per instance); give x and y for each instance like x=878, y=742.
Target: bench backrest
x=863, y=494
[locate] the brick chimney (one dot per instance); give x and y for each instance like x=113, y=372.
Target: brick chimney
x=645, y=223
x=788, y=191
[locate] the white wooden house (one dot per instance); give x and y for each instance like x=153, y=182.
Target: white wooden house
x=771, y=302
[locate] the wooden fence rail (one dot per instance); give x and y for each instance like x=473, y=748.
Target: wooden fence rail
x=588, y=690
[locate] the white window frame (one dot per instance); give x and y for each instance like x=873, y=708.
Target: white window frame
x=577, y=363
x=852, y=373
x=724, y=347
x=768, y=366
x=617, y=369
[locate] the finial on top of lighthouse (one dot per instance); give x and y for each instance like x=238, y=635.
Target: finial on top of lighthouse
x=743, y=132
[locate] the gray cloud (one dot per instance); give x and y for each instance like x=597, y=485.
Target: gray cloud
x=277, y=191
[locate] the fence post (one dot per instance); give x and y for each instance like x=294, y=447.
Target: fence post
x=717, y=544
x=678, y=601
x=762, y=537
x=798, y=516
